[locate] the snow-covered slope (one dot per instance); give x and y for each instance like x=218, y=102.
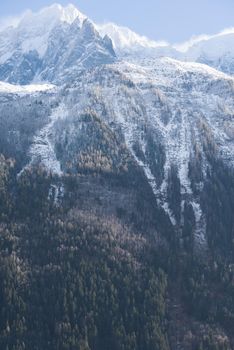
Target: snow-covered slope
x=123, y=37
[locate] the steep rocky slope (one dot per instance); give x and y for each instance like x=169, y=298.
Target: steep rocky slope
x=169, y=114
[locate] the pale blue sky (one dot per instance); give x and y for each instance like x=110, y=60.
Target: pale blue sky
x=171, y=20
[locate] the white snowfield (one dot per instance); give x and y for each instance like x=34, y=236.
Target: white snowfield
x=6, y=88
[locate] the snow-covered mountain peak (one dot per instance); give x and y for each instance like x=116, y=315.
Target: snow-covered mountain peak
x=124, y=39
x=69, y=13
x=34, y=28
x=52, y=13
x=131, y=45
x=202, y=40
x=214, y=50
x=212, y=47
x=41, y=40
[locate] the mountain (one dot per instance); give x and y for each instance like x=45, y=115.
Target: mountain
x=116, y=188
x=45, y=42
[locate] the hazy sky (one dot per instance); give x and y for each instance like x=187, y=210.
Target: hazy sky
x=171, y=20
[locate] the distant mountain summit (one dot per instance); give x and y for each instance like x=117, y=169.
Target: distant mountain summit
x=45, y=44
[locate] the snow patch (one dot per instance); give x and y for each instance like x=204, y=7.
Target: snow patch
x=6, y=88
x=42, y=150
